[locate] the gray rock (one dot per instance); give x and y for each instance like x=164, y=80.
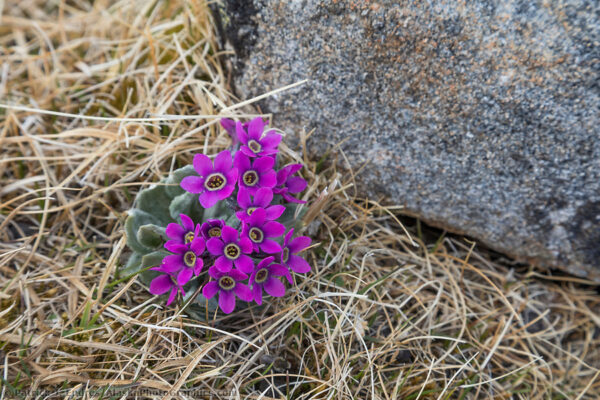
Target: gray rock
x=480, y=116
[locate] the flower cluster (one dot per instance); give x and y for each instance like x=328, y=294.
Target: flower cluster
x=249, y=256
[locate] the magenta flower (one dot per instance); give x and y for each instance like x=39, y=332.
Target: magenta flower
x=184, y=233
x=186, y=261
x=288, y=256
x=214, y=183
x=212, y=228
x=258, y=229
x=228, y=285
x=287, y=184
x=229, y=126
x=262, y=199
x=231, y=251
x=264, y=277
x=255, y=173
x=163, y=283
x=253, y=143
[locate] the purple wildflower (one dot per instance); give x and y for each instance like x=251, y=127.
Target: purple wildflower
x=263, y=277
x=186, y=261
x=253, y=143
x=288, y=256
x=262, y=199
x=214, y=183
x=255, y=173
x=289, y=184
x=231, y=250
x=229, y=126
x=184, y=233
x=228, y=285
x=165, y=282
x=257, y=228
x=212, y=228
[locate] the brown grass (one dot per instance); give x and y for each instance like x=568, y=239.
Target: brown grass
x=388, y=312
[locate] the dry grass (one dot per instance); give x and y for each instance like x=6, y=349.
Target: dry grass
x=387, y=313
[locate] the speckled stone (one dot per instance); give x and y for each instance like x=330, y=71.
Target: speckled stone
x=479, y=116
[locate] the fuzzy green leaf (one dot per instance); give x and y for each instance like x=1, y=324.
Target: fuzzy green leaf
x=134, y=221
x=155, y=201
x=186, y=203
x=151, y=235
x=172, y=182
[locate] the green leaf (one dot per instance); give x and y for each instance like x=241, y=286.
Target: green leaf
x=134, y=221
x=153, y=259
x=172, y=187
x=186, y=203
x=151, y=235
x=155, y=201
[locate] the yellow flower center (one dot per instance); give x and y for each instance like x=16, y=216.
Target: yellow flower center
x=226, y=283
x=256, y=235
x=261, y=275
x=250, y=178
x=215, y=181
x=232, y=251
x=189, y=258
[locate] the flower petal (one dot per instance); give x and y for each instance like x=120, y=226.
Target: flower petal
x=229, y=234
x=197, y=246
x=278, y=270
x=263, y=263
x=172, y=263
x=223, y=264
x=223, y=161
x=175, y=247
x=257, y=218
x=298, y=244
x=226, y=191
x=175, y=231
x=172, y=296
x=209, y=199
x=274, y=287
x=270, y=141
x=298, y=264
x=268, y=179
x=184, y=276
x=245, y=245
x=257, y=293
x=210, y=289
x=256, y=128
x=243, y=292
x=241, y=132
x=287, y=237
x=198, y=267
x=244, y=264
x=295, y=184
x=192, y=184
x=226, y=301
x=237, y=275
x=264, y=197
x=263, y=164
x=187, y=222
x=243, y=198
x=270, y=246
x=246, y=150
x=274, y=212
x=202, y=165
x=241, y=162
x=273, y=229
x=161, y=284
x=215, y=246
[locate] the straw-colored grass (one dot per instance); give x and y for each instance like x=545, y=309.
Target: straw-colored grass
x=388, y=312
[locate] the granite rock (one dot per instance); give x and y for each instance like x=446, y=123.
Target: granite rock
x=480, y=116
